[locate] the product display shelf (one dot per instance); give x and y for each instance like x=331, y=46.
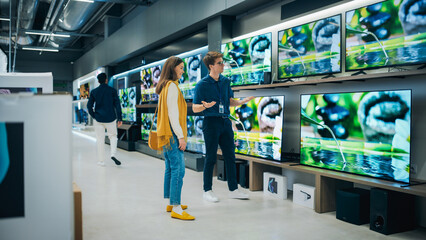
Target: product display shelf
x=362, y=77
x=326, y=181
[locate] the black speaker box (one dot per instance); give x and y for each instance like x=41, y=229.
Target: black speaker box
x=391, y=212
x=243, y=179
x=267, y=78
x=221, y=173
x=353, y=205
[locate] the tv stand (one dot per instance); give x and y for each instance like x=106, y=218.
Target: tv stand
x=422, y=66
x=413, y=184
x=328, y=76
x=359, y=73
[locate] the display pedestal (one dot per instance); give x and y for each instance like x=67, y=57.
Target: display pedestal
x=127, y=136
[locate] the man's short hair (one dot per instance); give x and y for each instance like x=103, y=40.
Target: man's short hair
x=210, y=58
x=102, y=77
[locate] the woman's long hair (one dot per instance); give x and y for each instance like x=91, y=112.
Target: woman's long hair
x=168, y=73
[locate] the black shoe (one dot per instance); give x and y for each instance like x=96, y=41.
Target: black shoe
x=116, y=161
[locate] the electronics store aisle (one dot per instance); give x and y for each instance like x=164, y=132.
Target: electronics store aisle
x=126, y=203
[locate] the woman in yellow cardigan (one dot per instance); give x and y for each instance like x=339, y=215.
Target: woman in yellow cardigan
x=172, y=134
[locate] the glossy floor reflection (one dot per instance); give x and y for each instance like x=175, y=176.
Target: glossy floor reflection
x=125, y=202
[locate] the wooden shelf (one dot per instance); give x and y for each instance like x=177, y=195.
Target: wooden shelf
x=326, y=181
x=334, y=80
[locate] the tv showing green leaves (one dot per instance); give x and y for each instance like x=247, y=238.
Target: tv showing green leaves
x=147, y=121
x=365, y=133
x=386, y=34
x=127, y=98
x=310, y=49
x=258, y=127
x=191, y=75
x=247, y=59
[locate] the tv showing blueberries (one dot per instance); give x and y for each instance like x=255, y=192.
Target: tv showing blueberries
x=147, y=121
x=385, y=34
x=365, y=133
x=191, y=75
x=150, y=78
x=247, y=59
x=195, y=135
x=258, y=127
x=128, y=103
x=310, y=49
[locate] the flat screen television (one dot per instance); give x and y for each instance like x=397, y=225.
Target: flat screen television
x=147, y=120
x=191, y=76
x=258, y=127
x=310, y=49
x=128, y=103
x=247, y=59
x=365, y=133
x=150, y=78
x=84, y=91
x=195, y=134
x=385, y=34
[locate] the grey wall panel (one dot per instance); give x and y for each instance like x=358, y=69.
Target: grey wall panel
x=60, y=70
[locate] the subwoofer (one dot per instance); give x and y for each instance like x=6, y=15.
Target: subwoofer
x=353, y=205
x=221, y=172
x=391, y=212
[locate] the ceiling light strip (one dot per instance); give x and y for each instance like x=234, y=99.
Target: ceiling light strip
x=41, y=49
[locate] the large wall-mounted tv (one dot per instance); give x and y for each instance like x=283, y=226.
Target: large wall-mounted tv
x=247, y=59
x=191, y=75
x=258, y=129
x=150, y=78
x=128, y=104
x=385, y=34
x=195, y=134
x=310, y=49
x=147, y=120
x=366, y=133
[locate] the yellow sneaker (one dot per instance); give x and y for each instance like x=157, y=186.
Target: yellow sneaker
x=170, y=207
x=183, y=216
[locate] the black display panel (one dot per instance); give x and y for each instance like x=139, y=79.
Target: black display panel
x=310, y=49
x=247, y=59
x=365, y=133
x=258, y=127
x=385, y=34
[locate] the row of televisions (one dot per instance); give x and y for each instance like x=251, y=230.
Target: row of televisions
x=365, y=133
x=385, y=34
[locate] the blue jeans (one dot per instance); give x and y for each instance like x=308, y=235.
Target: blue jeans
x=175, y=170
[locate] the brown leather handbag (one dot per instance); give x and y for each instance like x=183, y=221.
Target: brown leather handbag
x=153, y=139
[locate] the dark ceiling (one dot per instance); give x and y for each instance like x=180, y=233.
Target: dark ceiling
x=72, y=27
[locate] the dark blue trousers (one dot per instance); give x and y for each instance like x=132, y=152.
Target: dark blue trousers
x=218, y=131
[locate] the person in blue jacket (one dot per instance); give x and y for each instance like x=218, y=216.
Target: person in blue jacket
x=104, y=107
x=213, y=97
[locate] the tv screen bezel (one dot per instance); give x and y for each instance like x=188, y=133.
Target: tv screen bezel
x=356, y=174
x=282, y=133
x=250, y=84
x=377, y=67
x=311, y=75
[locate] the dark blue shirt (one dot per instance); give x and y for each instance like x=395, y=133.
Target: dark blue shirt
x=107, y=104
x=209, y=90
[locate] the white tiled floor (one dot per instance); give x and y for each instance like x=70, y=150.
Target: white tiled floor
x=125, y=202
